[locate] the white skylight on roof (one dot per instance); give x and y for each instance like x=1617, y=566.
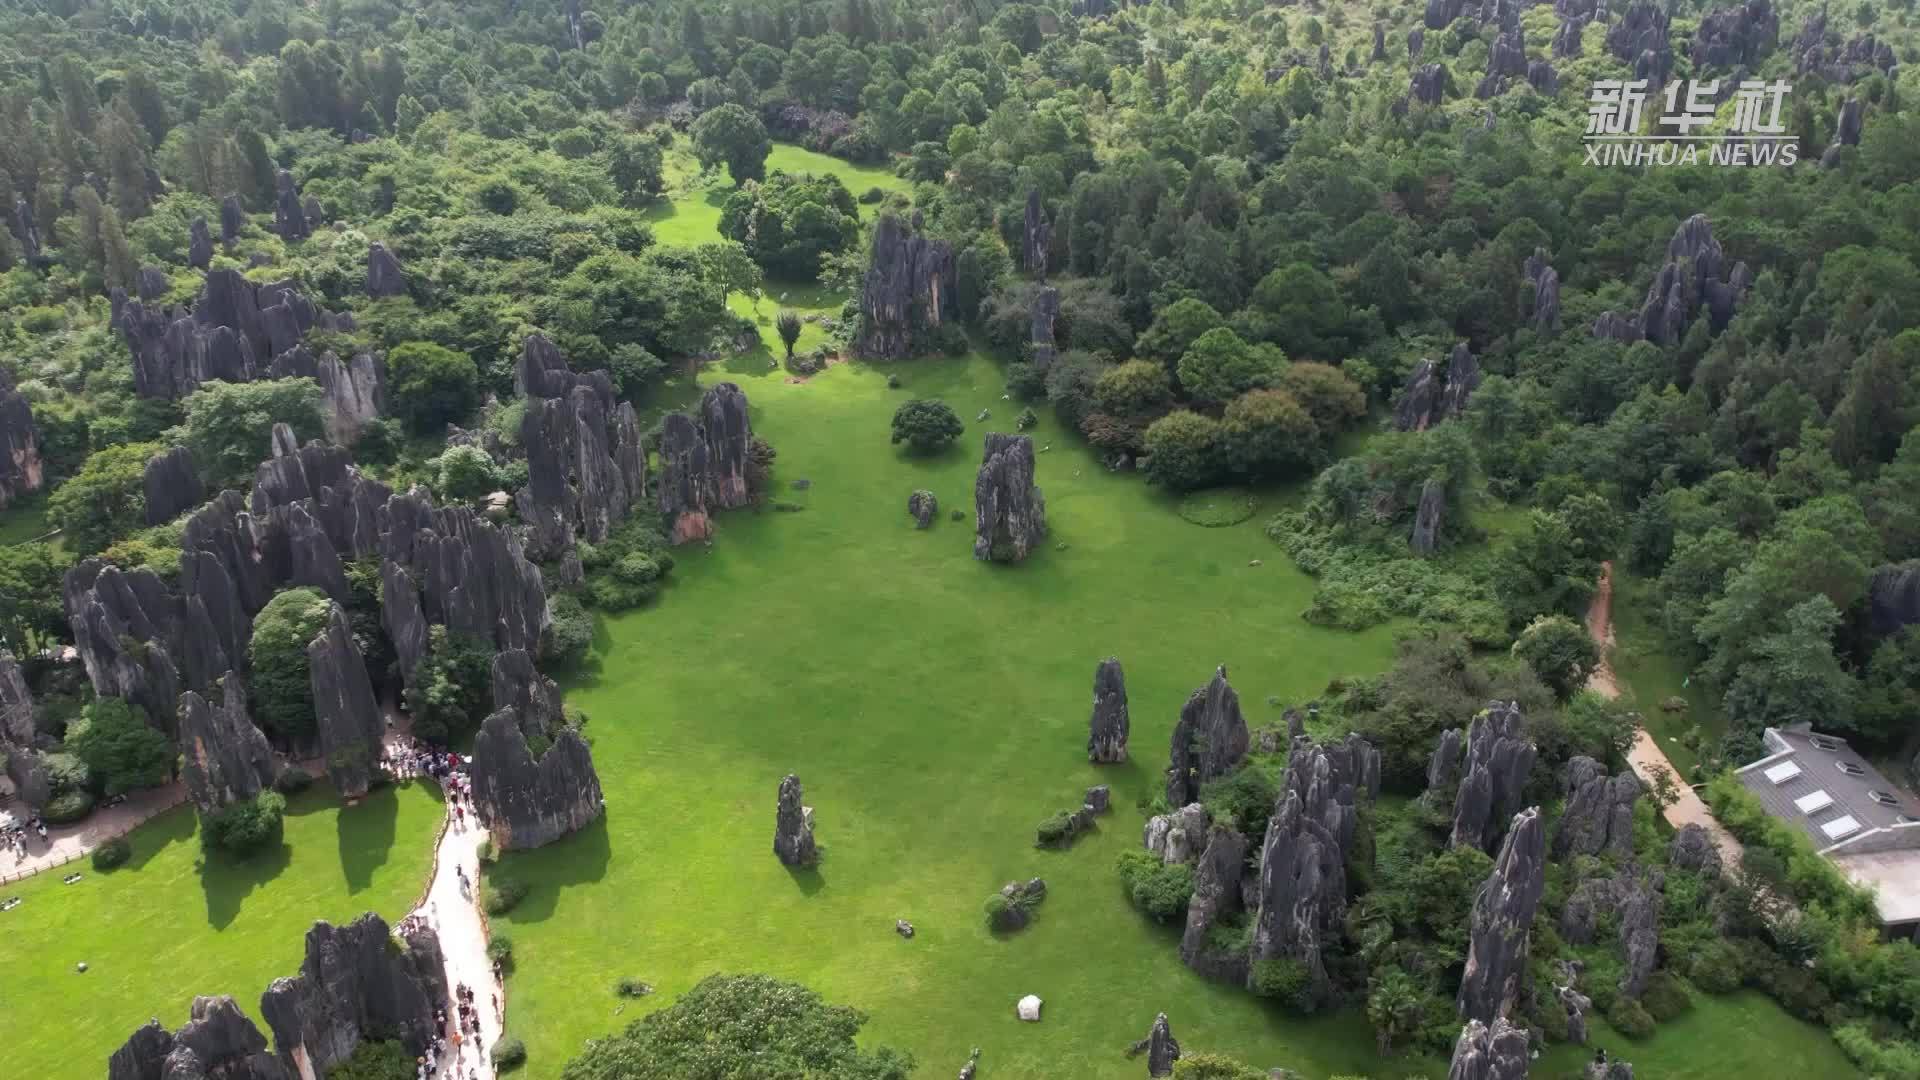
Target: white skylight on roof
x=1824, y=742
x=1814, y=803
x=1840, y=826
x=1783, y=772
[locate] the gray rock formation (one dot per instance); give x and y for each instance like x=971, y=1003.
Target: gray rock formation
x=1735, y=36
x=1429, y=84
x=357, y=983
x=1542, y=77
x=1567, y=40
x=1642, y=28
x=1037, y=235
x=346, y=713
x=1440, y=14
x=124, y=623
x=1463, y=378
x=1861, y=56
x=1009, y=512
x=1416, y=42
x=233, y=333
x=686, y=480
x=199, y=244
x=1098, y=799
x=1608, y=1070
x=1502, y=913
x=227, y=758
x=1108, y=726
x=1598, y=819
x=1695, y=277
x=532, y=698
x=1021, y=898
x=909, y=290
x=1546, y=293
x=1216, y=895
x=1428, y=518
x=1493, y=775
x=1176, y=837
x=1498, y=1052
x=1634, y=898
x=289, y=216
x=923, y=506
x=1046, y=310
x=233, y=218
x=729, y=433
x=16, y=703
x=26, y=233
x=353, y=392
x=1576, y=1004
x=143, y=1056
x=150, y=283
x=217, y=1042
x=1162, y=1049
x=1379, y=52
x=1419, y=402
x=1693, y=848
x=316, y=215
x=1846, y=127
x=1893, y=598
x=1209, y=741
x=1443, y=768
x=21, y=470
x=527, y=803
x=172, y=485
x=793, y=826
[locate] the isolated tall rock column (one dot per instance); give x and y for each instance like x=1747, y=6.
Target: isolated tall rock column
x=1009, y=512
x=345, y=710
x=793, y=826
x=1502, y=914
x=1107, y=727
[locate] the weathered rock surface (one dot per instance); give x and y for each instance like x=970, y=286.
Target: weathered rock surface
x=1502, y=912
x=123, y=623
x=16, y=703
x=1021, y=898
x=923, y=506
x=793, y=826
x=1498, y=1052
x=686, y=480
x=227, y=758
x=1693, y=848
x=1037, y=236
x=909, y=290
x=1609, y=1070
x=1493, y=775
x=1642, y=28
x=233, y=218
x=1098, y=799
x=1443, y=768
x=233, y=333
x=1576, y=1004
x=1107, y=728
x=1176, y=837
x=1010, y=513
x=346, y=713
x=1428, y=517
x=1162, y=1049
x=1463, y=378
x=1546, y=293
x=526, y=803
x=1860, y=56
x=26, y=233
x=532, y=698
x=217, y=1042
x=289, y=216
x=1440, y=14
x=729, y=433
x=21, y=470
x=1694, y=277
x=1598, y=819
x=1567, y=39
x=1209, y=741
x=1216, y=896
x=1634, y=897
x=1429, y=84
x=1046, y=309
x=199, y=244
x=1893, y=597
x=1419, y=400
x=1542, y=77
x=384, y=274
x=172, y=485
x=356, y=984
x=1416, y=42
x=1738, y=35
x=353, y=392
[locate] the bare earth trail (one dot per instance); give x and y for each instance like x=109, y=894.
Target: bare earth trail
x=1646, y=757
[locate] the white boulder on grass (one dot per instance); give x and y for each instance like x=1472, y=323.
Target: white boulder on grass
x=1029, y=1008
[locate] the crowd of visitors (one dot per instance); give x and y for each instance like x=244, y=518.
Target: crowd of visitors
x=14, y=836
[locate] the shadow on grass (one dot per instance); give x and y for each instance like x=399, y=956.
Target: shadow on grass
x=756, y=361
x=580, y=859
x=150, y=839
x=809, y=879
x=227, y=881
x=366, y=834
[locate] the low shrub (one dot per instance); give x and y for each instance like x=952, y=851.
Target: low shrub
x=872, y=195
x=500, y=950
x=1056, y=831
x=111, y=854
x=1003, y=915
x=631, y=987
x=1025, y=420
x=509, y=1053
x=67, y=807
x=956, y=514
x=486, y=853
x=245, y=827
x=1630, y=1018
x=1717, y=967
x=1285, y=980
x=1159, y=890
x=292, y=780
x=1217, y=508
x=787, y=508
x=1665, y=998
x=499, y=896
x=1895, y=1059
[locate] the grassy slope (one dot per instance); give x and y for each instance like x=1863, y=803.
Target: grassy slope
x=167, y=927
x=1651, y=672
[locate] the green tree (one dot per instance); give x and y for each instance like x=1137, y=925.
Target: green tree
x=1220, y=366
x=431, y=385
x=1299, y=309
x=1175, y=328
x=375, y=1059
x=281, y=679
x=105, y=501
x=1540, y=571
x=1267, y=433
x=228, y=424
x=465, y=473
x=452, y=687
x=790, y=223
x=1793, y=677
x=120, y=749
x=1215, y=1067
x=1396, y=1006
x=1137, y=389
x=926, y=425
x=732, y=136
x=1333, y=400
x=634, y=166
x=1183, y=450
x=1560, y=652
x=731, y=1026
x=788, y=324
x=31, y=611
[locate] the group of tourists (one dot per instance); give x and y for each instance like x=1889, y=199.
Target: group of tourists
x=406, y=757
x=14, y=836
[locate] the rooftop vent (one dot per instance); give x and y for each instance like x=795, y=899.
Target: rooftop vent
x=1851, y=768
x=1783, y=772
x=1840, y=826
x=1814, y=803
x=1884, y=798
x=1825, y=742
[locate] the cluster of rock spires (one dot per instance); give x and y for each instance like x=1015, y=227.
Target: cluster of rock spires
x=1489, y=767
x=1736, y=36
x=18, y=736
x=909, y=290
x=793, y=826
x=1893, y=598
x=1858, y=57
x=1009, y=512
x=525, y=801
x=21, y=471
x=346, y=712
x=1490, y=1052
x=1426, y=400
x=1176, y=837
x=358, y=983
x=1598, y=819
x=586, y=469
x=234, y=332
x=1107, y=727
x=1502, y=912
x=1634, y=896
x=1695, y=276
x=1640, y=38
x=171, y=483
x=1545, y=317
x=1429, y=84
x=228, y=759
x=703, y=463
x=1209, y=741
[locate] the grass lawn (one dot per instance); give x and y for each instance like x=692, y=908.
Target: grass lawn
x=1651, y=672
x=24, y=520
x=1743, y=1034
x=169, y=926
x=690, y=215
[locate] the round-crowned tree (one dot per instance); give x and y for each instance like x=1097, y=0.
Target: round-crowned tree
x=732, y=136
x=1560, y=652
x=431, y=385
x=1183, y=450
x=282, y=680
x=926, y=425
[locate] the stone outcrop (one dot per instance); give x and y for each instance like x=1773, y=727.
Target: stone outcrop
x=1046, y=310
x=172, y=485
x=1498, y=1052
x=923, y=506
x=1493, y=775
x=227, y=758
x=583, y=476
x=909, y=290
x=1009, y=512
x=1443, y=768
x=1440, y=14
x=532, y=698
x=1108, y=726
x=1502, y=913
x=384, y=274
x=1861, y=55
x=233, y=333
x=1416, y=42
x=524, y=802
x=1176, y=837
x=347, y=715
x=1567, y=40
x=1428, y=517
x=1893, y=598
x=1735, y=36
x=1608, y=1070
x=1545, y=319
x=26, y=233
x=357, y=983
x=1846, y=131
x=1463, y=378
x=1162, y=1049
x=793, y=826
x=1037, y=236
x=1419, y=402
x=217, y=1042
x=199, y=244
x=1429, y=84
x=1302, y=891
x=1379, y=52
x=16, y=703
x=1634, y=898
x=1542, y=77
x=1695, y=277
x=704, y=462
x=1693, y=848
x=1642, y=28
x=1598, y=819
x=1576, y=1004
x=123, y=623
x=353, y=392
x=233, y=218
x=1021, y=897
x=289, y=215
x=1209, y=741
x=21, y=470
x=729, y=434
x=1216, y=895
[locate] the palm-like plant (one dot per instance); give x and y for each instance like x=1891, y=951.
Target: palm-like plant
x=788, y=323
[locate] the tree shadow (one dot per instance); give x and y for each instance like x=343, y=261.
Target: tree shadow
x=227, y=880
x=366, y=834
x=580, y=859
x=755, y=361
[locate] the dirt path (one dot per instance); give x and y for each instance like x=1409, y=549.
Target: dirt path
x=454, y=912
x=1646, y=757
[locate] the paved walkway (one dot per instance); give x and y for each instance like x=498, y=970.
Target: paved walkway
x=1646, y=757
x=67, y=843
x=455, y=913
